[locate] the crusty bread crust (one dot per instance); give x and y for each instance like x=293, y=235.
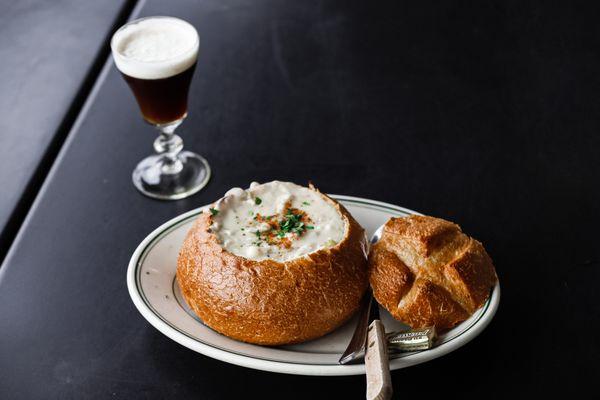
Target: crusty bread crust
x=272, y=303
x=425, y=272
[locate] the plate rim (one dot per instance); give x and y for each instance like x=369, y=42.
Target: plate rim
x=287, y=367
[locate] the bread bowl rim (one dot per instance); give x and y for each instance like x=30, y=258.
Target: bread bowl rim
x=281, y=263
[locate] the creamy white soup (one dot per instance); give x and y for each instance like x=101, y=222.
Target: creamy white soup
x=276, y=220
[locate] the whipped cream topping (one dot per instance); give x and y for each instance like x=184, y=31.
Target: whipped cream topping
x=155, y=47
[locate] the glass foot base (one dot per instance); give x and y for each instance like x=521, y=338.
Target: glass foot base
x=159, y=181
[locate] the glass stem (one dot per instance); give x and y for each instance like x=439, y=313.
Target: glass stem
x=168, y=145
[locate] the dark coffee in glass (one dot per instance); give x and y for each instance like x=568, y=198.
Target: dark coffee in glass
x=162, y=100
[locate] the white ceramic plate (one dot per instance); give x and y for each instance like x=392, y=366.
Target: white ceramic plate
x=154, y=291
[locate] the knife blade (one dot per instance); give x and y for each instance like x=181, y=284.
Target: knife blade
x=355, y=351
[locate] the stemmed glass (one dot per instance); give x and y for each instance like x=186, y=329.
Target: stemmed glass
x=157, y=57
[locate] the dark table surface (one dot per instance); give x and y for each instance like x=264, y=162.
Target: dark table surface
x=49, y=52
x=486, y=114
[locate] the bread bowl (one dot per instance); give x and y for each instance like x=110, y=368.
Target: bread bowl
x=274, y=264
x=425, y=271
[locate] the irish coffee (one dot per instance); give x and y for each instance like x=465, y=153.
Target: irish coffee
x=157, y=57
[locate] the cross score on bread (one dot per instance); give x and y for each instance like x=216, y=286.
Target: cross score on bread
x=425, y=271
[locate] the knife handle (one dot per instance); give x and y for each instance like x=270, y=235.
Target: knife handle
x=379, y=381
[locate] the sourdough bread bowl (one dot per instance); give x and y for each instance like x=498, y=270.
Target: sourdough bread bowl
x=425, y=271
x=274, y=264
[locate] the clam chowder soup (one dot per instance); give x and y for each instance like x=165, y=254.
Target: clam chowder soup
x=276, y=220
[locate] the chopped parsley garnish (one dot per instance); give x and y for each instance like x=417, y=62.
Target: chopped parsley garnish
x=250, y=212
x=257, y=200
x=214, y=211
x=306, y=203
x=293, y=221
